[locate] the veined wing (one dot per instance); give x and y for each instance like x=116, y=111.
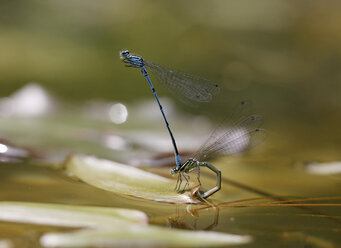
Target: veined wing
x=188, y=88
x=242, y=133
x=243, y=142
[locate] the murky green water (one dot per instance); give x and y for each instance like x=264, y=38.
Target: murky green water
x=258, y=187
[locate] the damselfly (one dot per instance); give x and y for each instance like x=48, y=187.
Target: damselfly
x=242, y=133
x=188, y=88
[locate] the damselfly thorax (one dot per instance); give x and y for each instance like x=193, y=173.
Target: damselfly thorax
x=183, y=172
x=191, y=165
x=131, y=60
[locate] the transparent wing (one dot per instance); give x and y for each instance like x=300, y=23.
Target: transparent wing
x=188, y=88
x=233, y=134
x=241, y=111
x=241, y=133
x=241, y=143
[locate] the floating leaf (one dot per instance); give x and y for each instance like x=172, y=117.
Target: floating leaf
x=108, y=227
x=67, y=215
x=141, y=236
x=328, y=168
x=124, y=179
x=5, y=243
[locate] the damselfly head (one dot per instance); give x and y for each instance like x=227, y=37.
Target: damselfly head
x=124, y=54
x=175, y=170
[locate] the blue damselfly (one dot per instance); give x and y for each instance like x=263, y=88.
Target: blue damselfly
x=190, y=89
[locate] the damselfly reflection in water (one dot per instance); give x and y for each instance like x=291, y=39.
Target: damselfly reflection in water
x=190, y=89
x=242, y=134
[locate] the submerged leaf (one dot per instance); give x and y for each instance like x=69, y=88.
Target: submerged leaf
x=68, y=216
x=141, y=236
x=124, y=179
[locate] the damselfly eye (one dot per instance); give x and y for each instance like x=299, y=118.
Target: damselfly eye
x=124, y=52
x=174, y=171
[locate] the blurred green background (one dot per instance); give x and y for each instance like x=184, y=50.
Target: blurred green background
x=283, y=55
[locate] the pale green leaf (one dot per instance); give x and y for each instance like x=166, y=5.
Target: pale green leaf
x=128, y=180
x=141, y=236
x=67, y=215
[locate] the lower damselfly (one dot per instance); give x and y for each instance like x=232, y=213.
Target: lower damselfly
x=238, y=132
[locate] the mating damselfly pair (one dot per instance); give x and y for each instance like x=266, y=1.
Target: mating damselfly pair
x=243, y=130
